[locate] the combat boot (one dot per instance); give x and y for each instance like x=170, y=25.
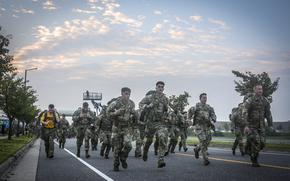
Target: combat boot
x=254, y=159
x=172, y=148
x=78, y=152
x=124, y=164
x=185, y=149
x=116, y=167
x=87, y=154
x=102, y=149
x=233, y=151
x=145, y=156
x=106, y=156
x=196, y=153
x=206, y=162
x=59, y=145
x=180, y=146
x=161, y=163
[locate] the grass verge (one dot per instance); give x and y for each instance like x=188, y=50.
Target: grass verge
x=228, y=144
x=9, y=147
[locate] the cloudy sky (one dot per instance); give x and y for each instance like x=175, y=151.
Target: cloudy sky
x=103, y=45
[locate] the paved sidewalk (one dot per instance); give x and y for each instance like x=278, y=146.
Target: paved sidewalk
x=26, y=168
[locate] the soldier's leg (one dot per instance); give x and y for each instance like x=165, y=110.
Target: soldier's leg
x=156, y=145
x=108, y=146
x=205, y=145
x=80, y=139
x=127, y=147
x=51, y=143
x=240, y=142
x=46, y=141
x=183, y=138
x=88, y=136
x=139, y=143
x=64, y=140
x=162, y=134
x=149, y=139
x=117, y=142
x=235, y=144
x=254, y=141
x=262, y=134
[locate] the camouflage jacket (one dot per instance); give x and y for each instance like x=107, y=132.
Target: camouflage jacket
x=63, y=124
x=104, y=123
x=126, y=117
x=202, y=115
x=83, y=119
x=236, y=118
x=156, y=108
x=256, y=109
x=175, y=119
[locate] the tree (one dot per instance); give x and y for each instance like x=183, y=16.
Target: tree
x=249, y=80
x=5, y=59
x=179, y=102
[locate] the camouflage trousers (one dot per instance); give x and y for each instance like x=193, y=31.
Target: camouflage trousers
x=48, y=137
x=174, y=133
x=139, y=142
x=239, y=134
x=61, y=134
x=256, y=141
x=204, y=138
x=121, y=139
x=80, y=135
x=161, y=132
x=183, y=137
x=90, y=135
x=105, y=139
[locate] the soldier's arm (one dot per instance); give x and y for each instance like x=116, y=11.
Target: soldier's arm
x=268, y=115
x=145, y=102
x=212, y=115
x=245, y=111
x=190, y=115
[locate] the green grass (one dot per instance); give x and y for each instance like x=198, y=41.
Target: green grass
x=228, y=144
x=9, y=147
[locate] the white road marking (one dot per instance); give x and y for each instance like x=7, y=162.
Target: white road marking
x=88, y=165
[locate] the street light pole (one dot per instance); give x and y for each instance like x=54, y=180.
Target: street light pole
x=25, y=76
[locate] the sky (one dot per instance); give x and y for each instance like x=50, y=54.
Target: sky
x=191, y=45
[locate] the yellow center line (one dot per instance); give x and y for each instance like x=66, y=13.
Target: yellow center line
x=237, y=161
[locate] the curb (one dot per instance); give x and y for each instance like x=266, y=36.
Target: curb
x=4, y=167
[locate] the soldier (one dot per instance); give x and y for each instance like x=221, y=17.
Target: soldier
x=238, y=126
x=104, y=128
x=183, y=125
x=175, y=117
x=62, y=131
x=122, y=111
x=137, y=138
x=256, y=109
x=156, y=105
x=49, y=119
x=82, y=118
x=203, y=115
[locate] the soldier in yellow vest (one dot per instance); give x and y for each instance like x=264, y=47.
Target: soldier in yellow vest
x=49, y=119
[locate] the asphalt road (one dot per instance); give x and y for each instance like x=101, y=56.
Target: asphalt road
x=179, y=166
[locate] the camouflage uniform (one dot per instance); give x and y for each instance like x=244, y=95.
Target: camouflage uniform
x=175, y=117
x=156, y=106
x=256, y=109
x=183, y=125
x=202, y=115
x=90, y=134
x=137, y=138
x=122, y=129
x=49, y=131
x=62, y=131
x=82, y=120
x=238, y=126
x=104, y=126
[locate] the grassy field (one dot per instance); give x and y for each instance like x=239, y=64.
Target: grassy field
x=9, y=147
x=228, y=144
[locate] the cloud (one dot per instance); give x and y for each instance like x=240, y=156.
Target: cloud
x=222, y=24
x=49, y=5
x=157, y=28
x=176, y=34
x=69, y=30
x=15, y=16
x=196, y=18
x=77, y=10
x=24, y=11
x=116, y=17
x=157, y=12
